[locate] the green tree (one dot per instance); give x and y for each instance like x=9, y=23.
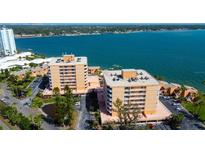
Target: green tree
x=27, y=76
x=64, y=107
x=15, y=118
x=33, y=65
x=128, y=114
x=176, y=120
x=56, y=91
x=13, y=79
x=25, y=123
x=69, y=104
x=37, y=121
x=7, y=73
x=37, y=102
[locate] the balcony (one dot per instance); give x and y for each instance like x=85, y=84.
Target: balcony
x=109, y=100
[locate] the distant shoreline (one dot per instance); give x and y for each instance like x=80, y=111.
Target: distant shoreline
x=86, y=34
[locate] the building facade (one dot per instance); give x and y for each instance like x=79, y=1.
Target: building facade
x=136, y=87
x=7, y=42
x=71, y=71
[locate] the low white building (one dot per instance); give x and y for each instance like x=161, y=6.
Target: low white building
x=20, y=60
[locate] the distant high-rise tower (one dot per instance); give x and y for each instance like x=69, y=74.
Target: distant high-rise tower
x=7, y=42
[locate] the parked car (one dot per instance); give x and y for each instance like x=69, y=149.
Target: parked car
x=179, y=109
x=6, y=97
x=175, y=104
x=77, y=103
x=3, y=99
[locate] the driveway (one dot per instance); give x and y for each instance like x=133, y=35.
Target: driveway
x=83, y=114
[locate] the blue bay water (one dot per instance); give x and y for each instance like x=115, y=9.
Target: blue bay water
x=179, y=56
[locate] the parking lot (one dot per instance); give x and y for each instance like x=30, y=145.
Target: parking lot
x=189, y=122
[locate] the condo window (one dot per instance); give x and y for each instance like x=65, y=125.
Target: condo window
x=134, y=96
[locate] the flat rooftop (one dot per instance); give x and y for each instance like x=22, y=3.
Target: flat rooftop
x=114, y=78
x=69, y=60
x=76, y=60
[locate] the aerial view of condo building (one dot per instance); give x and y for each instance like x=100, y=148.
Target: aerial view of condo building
x=137, y=90
x=88, y=90
x=110, y=76
x=131, y=86
x=71, y=71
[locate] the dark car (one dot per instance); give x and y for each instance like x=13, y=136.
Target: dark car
x=6, y=97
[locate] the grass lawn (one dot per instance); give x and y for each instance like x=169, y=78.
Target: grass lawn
x=38, y=101
x=192, y=108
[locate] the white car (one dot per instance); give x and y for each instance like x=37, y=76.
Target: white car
x=179, y=109
x=77, y=103
x=175, y=104
x=165, y=97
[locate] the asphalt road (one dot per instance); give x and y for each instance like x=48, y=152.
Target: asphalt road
x=189, y=122
x=162, y=126
x=83, y=114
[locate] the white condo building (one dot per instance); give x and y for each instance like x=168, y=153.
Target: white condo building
x=7, y=42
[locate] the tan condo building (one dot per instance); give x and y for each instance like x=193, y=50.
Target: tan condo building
x=136, y=87
x=69, y=70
